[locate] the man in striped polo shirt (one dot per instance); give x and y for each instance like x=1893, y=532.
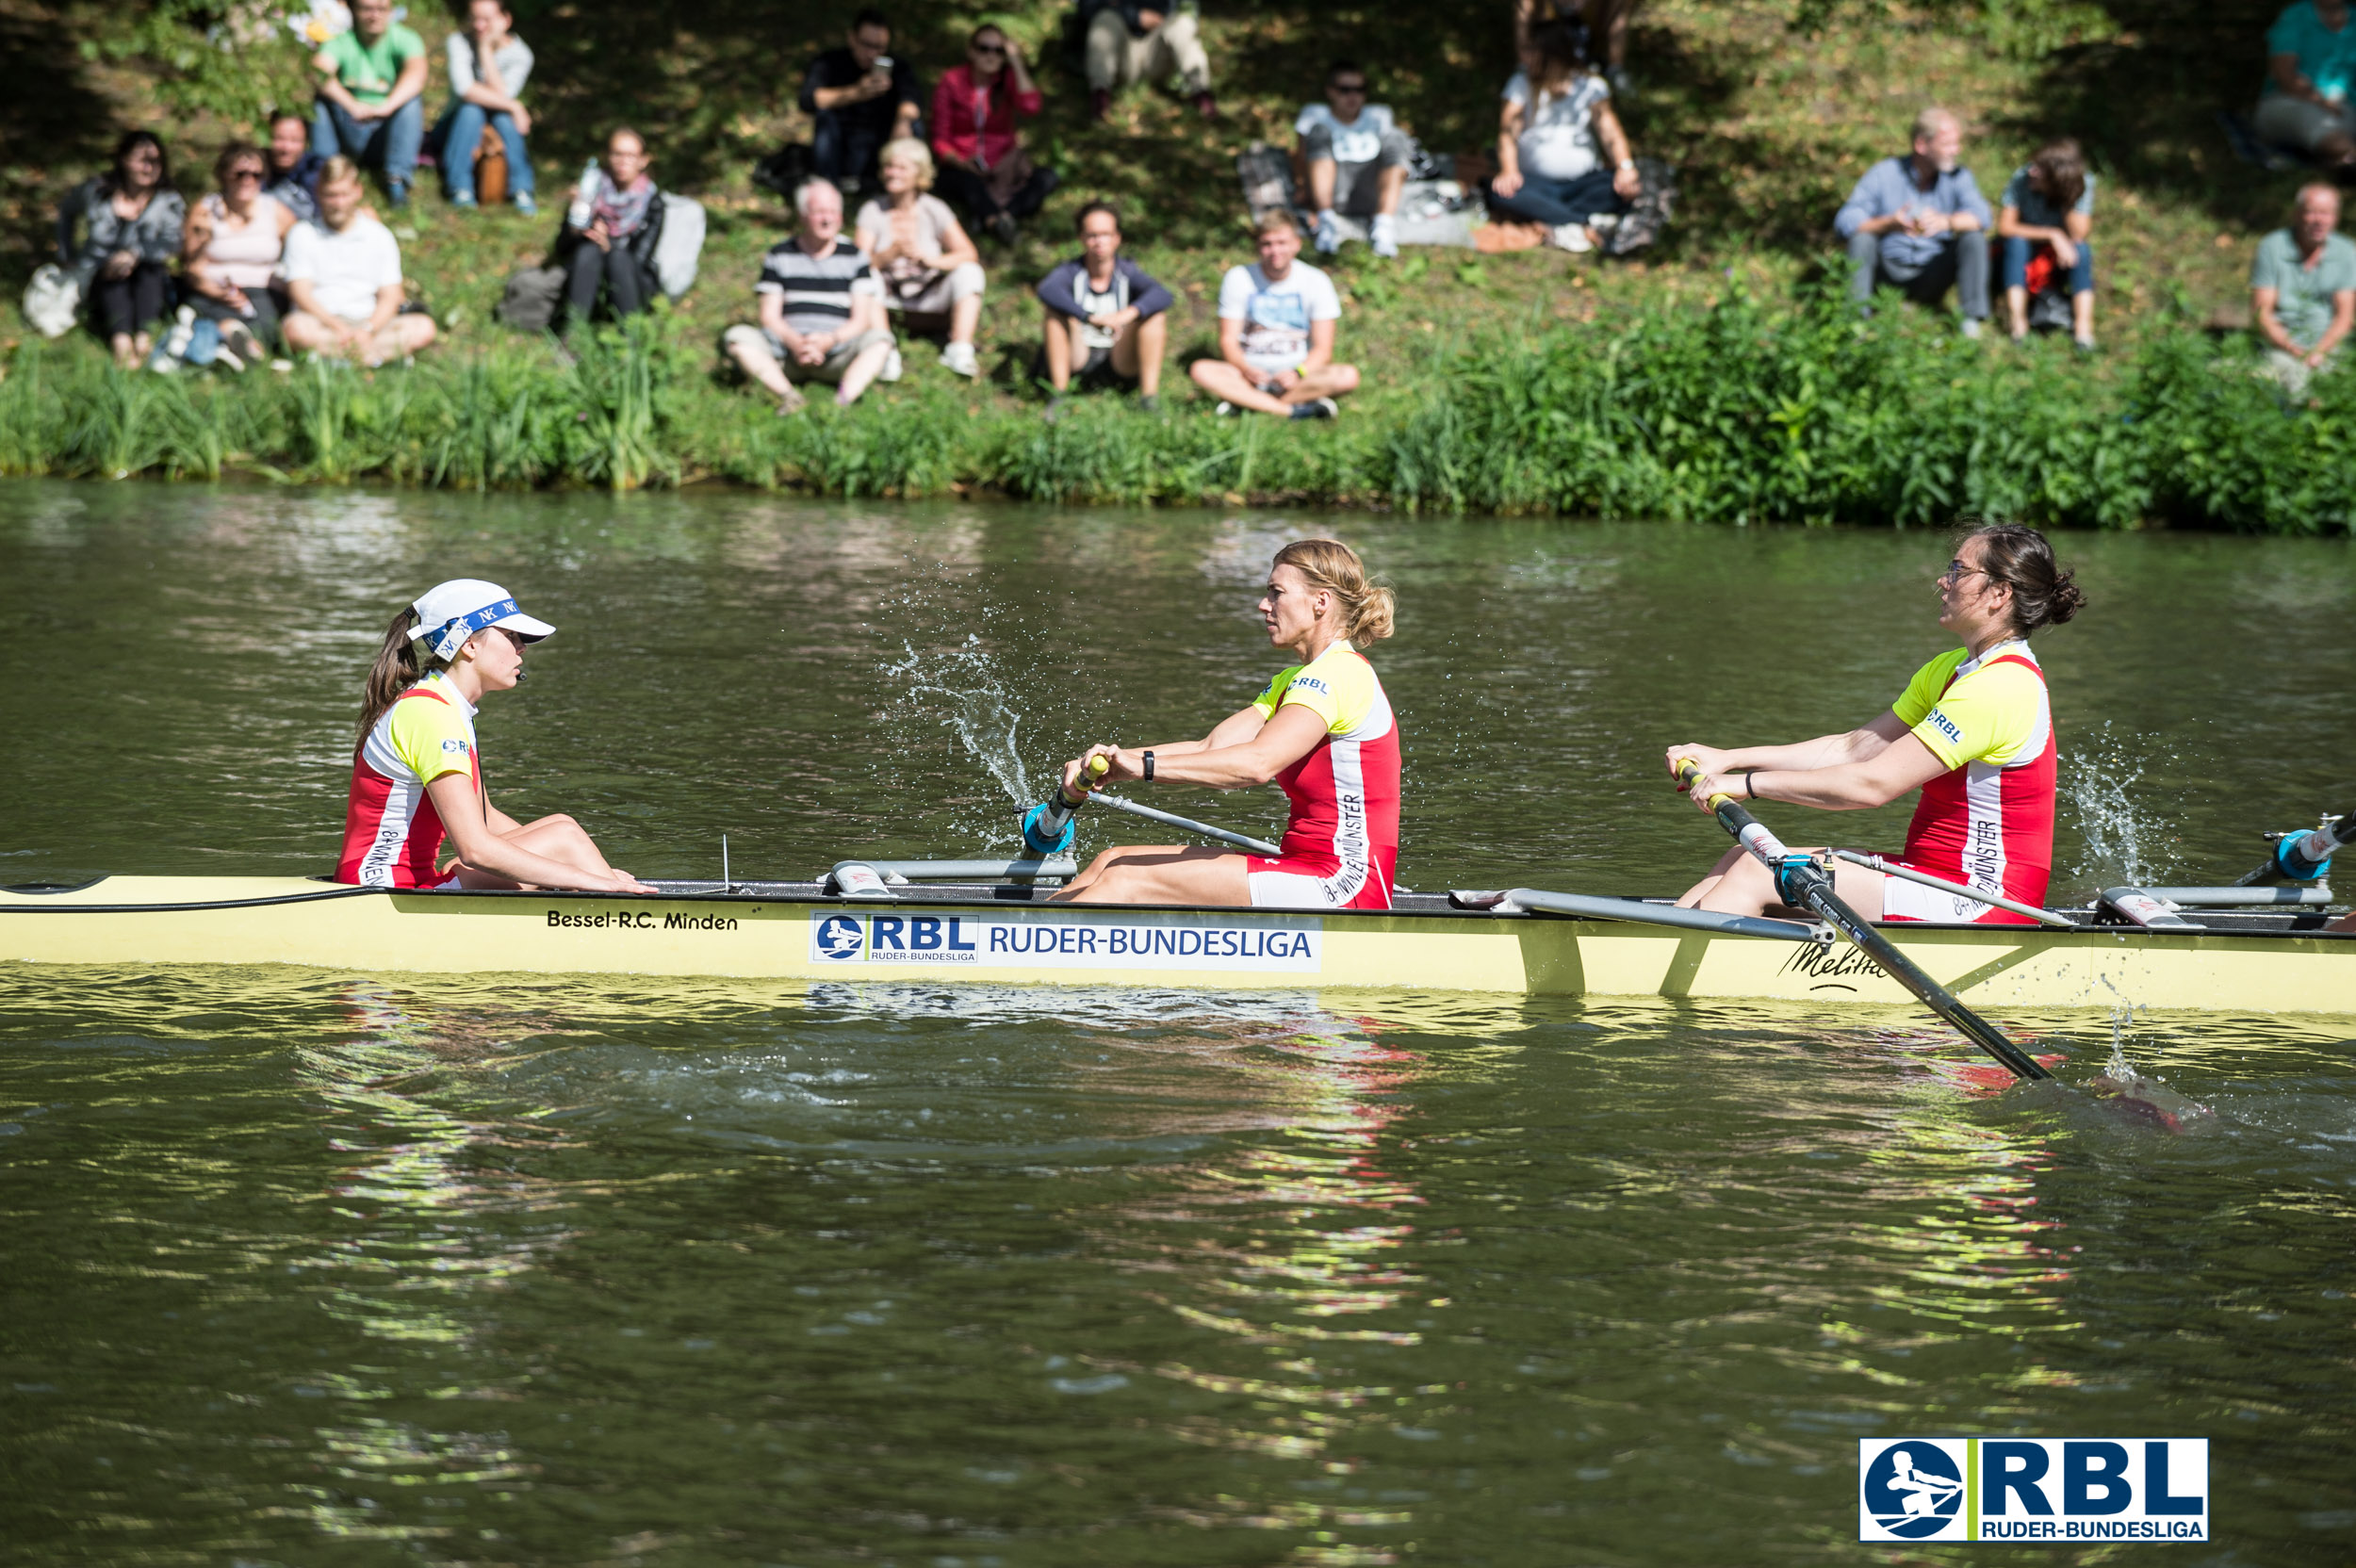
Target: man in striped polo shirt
x=822, y=312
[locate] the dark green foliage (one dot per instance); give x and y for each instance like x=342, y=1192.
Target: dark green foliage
x=1736, y=412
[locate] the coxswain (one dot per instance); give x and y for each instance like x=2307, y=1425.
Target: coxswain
x=1973, y=730
x=417, y=776
x=1323, y=730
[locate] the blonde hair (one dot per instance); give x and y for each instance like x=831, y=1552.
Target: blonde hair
x=907, y=148
x=1273, y=218
x=1330, y=564
x=1926, y=124
x=335, y=170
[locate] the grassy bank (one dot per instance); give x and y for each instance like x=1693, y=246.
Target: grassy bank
x=1729, y=411
x=1701, y=381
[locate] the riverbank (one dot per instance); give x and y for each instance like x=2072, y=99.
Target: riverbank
x=1733, y=409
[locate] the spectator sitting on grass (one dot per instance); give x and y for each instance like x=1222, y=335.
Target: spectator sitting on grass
x=1919, y=222
x=859, y=98
x=932, y=274
x=2311, y=63
x=1276, y=332
x=975, y=142
x=2044, y=219
x=2302, y=289
x=234, y=242
x=1352, y=159
x=822, y=314
x=610, y=230
x=1104, y=316
x=343, y=278
x=130, y=220
x=488, y=66
x=1145, y=41
x=371, y=79
x=1554, y=138
x=293, y=177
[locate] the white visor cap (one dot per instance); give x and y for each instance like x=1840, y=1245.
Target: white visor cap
x=453, y=611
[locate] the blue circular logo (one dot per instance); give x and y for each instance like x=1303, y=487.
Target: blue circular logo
x=838, y=937
x=1913, y=1490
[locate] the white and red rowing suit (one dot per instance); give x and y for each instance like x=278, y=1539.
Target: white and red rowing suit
x=1340, y=850
x=391, y=830
x=1988, y=822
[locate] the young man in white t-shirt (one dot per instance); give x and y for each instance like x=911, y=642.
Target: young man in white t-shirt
x=1276, y=334
x=343, y=274
x=1356, y=164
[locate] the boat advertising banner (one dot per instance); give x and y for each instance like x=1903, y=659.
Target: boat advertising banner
x=2031, y=1489
x=1071, y=940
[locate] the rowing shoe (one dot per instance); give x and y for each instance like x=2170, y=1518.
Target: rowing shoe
x=1806, y=883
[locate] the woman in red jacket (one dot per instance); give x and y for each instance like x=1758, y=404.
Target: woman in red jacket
x=976, y=144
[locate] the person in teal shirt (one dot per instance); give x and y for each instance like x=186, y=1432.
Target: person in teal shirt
x=371, y=105
x=2311, y=63
x=2302, y=289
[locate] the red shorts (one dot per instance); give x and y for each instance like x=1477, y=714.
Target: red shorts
x=1317, y=882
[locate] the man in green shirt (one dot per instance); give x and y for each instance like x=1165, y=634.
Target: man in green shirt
x=371, y=105
x=2302, y=289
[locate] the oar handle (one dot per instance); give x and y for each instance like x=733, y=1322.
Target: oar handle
x=1047, y=827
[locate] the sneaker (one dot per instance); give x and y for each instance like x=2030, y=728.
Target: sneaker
x=1329, y=233
x=1100, y=102
x=1225, y=410
x=525, y=205
x=1058, y=404
x=2084, y=345
x=1386, y=237
x=464, y=199
x=1573, y=237
x=282, y=366
x=397, y=191
x=1006, y=230
x=228, y=358
x=1602, y=224
x=959, y=360
x=1316, y=408
x=1970, y=326
x=891, y=367
x=1151, y=402
x=792, y=403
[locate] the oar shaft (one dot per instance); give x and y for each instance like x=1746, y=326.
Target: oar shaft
x=1810, y=886
x=1257, y=846
x=2302, y=856
x=1888, y=868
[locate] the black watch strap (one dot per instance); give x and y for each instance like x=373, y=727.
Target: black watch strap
x=1149, y=767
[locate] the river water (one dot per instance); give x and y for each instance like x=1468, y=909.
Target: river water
x=300, y=1267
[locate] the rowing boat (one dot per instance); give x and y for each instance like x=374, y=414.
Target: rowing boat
x=1003, y=933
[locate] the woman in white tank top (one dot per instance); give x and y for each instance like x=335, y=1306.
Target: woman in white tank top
x=231, y=247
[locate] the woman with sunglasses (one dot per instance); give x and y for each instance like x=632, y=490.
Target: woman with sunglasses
x=234, y=241
x=1973, y=731
x=977, y=146
x=418, y=778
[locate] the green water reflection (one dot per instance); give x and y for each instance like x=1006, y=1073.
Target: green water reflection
x=327, y=1268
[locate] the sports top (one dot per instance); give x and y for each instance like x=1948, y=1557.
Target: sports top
x=391, y=830
x=1345, y=793
x=1988, y=821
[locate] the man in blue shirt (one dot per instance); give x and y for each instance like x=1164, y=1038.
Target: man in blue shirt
x=1920, y=223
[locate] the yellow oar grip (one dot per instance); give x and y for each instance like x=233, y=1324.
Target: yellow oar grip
x=1688, y=771
x=1098, y=766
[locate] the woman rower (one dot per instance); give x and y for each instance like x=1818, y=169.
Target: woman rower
x=1973, y=730
x=1323, y=730
x=417, y=776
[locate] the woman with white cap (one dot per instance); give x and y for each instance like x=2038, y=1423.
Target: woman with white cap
x=418, y=777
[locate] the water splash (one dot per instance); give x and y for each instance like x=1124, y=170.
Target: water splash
x=964, y=692
x=2123, y=842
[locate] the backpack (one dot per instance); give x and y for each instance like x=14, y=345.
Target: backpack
x=50, y=299
x=681, y=243
x=531, y=298
x=1656, y=196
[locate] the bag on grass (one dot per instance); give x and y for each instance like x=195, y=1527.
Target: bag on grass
x=1656, y=196
x=680, y=244
x=531, y=298
x=50, y=299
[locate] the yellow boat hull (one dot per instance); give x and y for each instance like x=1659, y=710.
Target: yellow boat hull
x=796, y=935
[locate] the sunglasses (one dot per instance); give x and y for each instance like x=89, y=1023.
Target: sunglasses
x=245, y=174
x=1350, y=89
x=989, y=48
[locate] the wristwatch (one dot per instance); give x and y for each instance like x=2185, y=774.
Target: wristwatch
x=1149, y=767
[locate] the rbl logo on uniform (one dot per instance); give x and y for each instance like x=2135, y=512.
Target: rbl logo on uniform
x=2032, y=1489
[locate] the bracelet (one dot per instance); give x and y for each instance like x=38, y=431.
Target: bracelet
x=1628, y=163
x=1149, y=767
x=1750, y=784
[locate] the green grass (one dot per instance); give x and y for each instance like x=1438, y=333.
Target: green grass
x=1531, y=380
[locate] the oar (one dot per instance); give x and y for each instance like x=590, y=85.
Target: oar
x=1891, y=868
x=1047, y=828
x=1804, y=884
x=2302, y=856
